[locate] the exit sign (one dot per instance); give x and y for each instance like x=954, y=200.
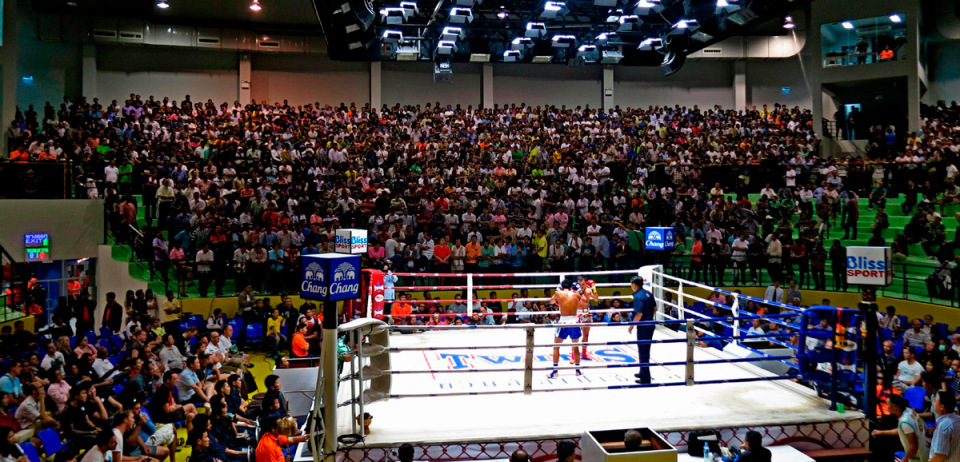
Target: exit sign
x=37, y=246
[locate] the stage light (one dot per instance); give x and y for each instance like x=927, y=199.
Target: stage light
x=847, y=25
x=611, y=57
x=410, y=7
x=614, y=15
x=451, y=33
x=535, y=30
x=629, y=23
x=788, y=23
x=511, y=56
x=520, y=43
x=895, y=18
x=605, y=38
x=588, y=53
x=163, y=4
x=255, y=6
x=460, y=15
x=648, y=43
x=563, y=41
x=503, y=13
x=392, y=36
x=393, y=15
x=552, y=9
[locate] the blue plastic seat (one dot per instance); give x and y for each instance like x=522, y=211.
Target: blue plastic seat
x=942, y=330
x=91, y=338
x=914, y=396
x=196, y=320
x=30, y=451
x=51, y=442
x=73, y=341
x=254, y=334
x=886, y=334
x=184, y=325
x=237, y=324
x=105, y=332
x=117, y=342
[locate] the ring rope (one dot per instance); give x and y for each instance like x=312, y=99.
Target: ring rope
x=592, y=366
x=518, y=275
x=609, y=387
x=502, y=286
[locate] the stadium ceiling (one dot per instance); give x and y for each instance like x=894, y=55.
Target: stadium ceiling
x=575, y=32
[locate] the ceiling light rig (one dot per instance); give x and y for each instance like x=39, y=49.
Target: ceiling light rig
x=788, y=23
x=163, y=4
x=255, y=6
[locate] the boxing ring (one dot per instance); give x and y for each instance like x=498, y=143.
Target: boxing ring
x=451, y=390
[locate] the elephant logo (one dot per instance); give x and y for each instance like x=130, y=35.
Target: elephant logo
x=344, y=272
x=313, y=272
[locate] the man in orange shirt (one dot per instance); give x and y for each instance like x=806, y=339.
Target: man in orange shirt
x=270, y=447
x=299, y=346
x=473, y=251
x=402, y=309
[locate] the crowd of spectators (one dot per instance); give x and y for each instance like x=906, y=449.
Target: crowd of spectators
x=127, y=390
x=241, y=191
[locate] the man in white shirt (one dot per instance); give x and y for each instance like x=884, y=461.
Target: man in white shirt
x=916, y=337
x=908, y=371
x=170, y=355
x=774, y=292
x=111, y=172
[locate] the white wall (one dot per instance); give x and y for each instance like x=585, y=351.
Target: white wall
x=166, y=72
x=303, y=79
x=766, y=78
x=699, y=82
x=412, y=83
x=55, y=67
x=944, y=76
x=547, y=84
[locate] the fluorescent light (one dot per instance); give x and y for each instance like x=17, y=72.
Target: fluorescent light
x=847, y=25
x=163, y=4
x=645, y=4
x=895, y=18
x=554, y=6
x=255, y=6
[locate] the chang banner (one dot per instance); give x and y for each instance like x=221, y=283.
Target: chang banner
x=658, y=239
x=330, y=276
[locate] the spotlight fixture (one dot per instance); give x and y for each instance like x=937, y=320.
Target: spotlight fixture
x=788, y=23
x=648, y=43
x=503, y=13
x=255, y=6
x=847, y=25
x=895, y=18
x=512, y=56
x=163, y=4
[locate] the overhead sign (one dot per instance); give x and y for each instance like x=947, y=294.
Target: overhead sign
x=330, y=276
x=351, y=241
x=659, y=239
x=37, y=246
x=869, y=266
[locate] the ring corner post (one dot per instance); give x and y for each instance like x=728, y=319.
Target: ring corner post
x=691, y=343
x=328, y=365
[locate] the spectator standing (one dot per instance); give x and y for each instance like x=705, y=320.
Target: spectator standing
x=945, y=445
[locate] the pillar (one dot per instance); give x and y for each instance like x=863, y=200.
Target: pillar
x=8, y=69
x=89, y=74
x=740, y=85
x=245, y=73
x=608, y=101
x=486, y=89
x=376, y=88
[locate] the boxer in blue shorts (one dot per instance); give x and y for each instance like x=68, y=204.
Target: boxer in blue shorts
x=567, y=297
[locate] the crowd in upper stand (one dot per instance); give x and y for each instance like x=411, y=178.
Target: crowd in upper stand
x=241, y=191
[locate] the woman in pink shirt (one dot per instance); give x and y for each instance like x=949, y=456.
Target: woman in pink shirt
x=59, y=390
x=83, y=346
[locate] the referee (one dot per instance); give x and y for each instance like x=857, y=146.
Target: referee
x=643, y=310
